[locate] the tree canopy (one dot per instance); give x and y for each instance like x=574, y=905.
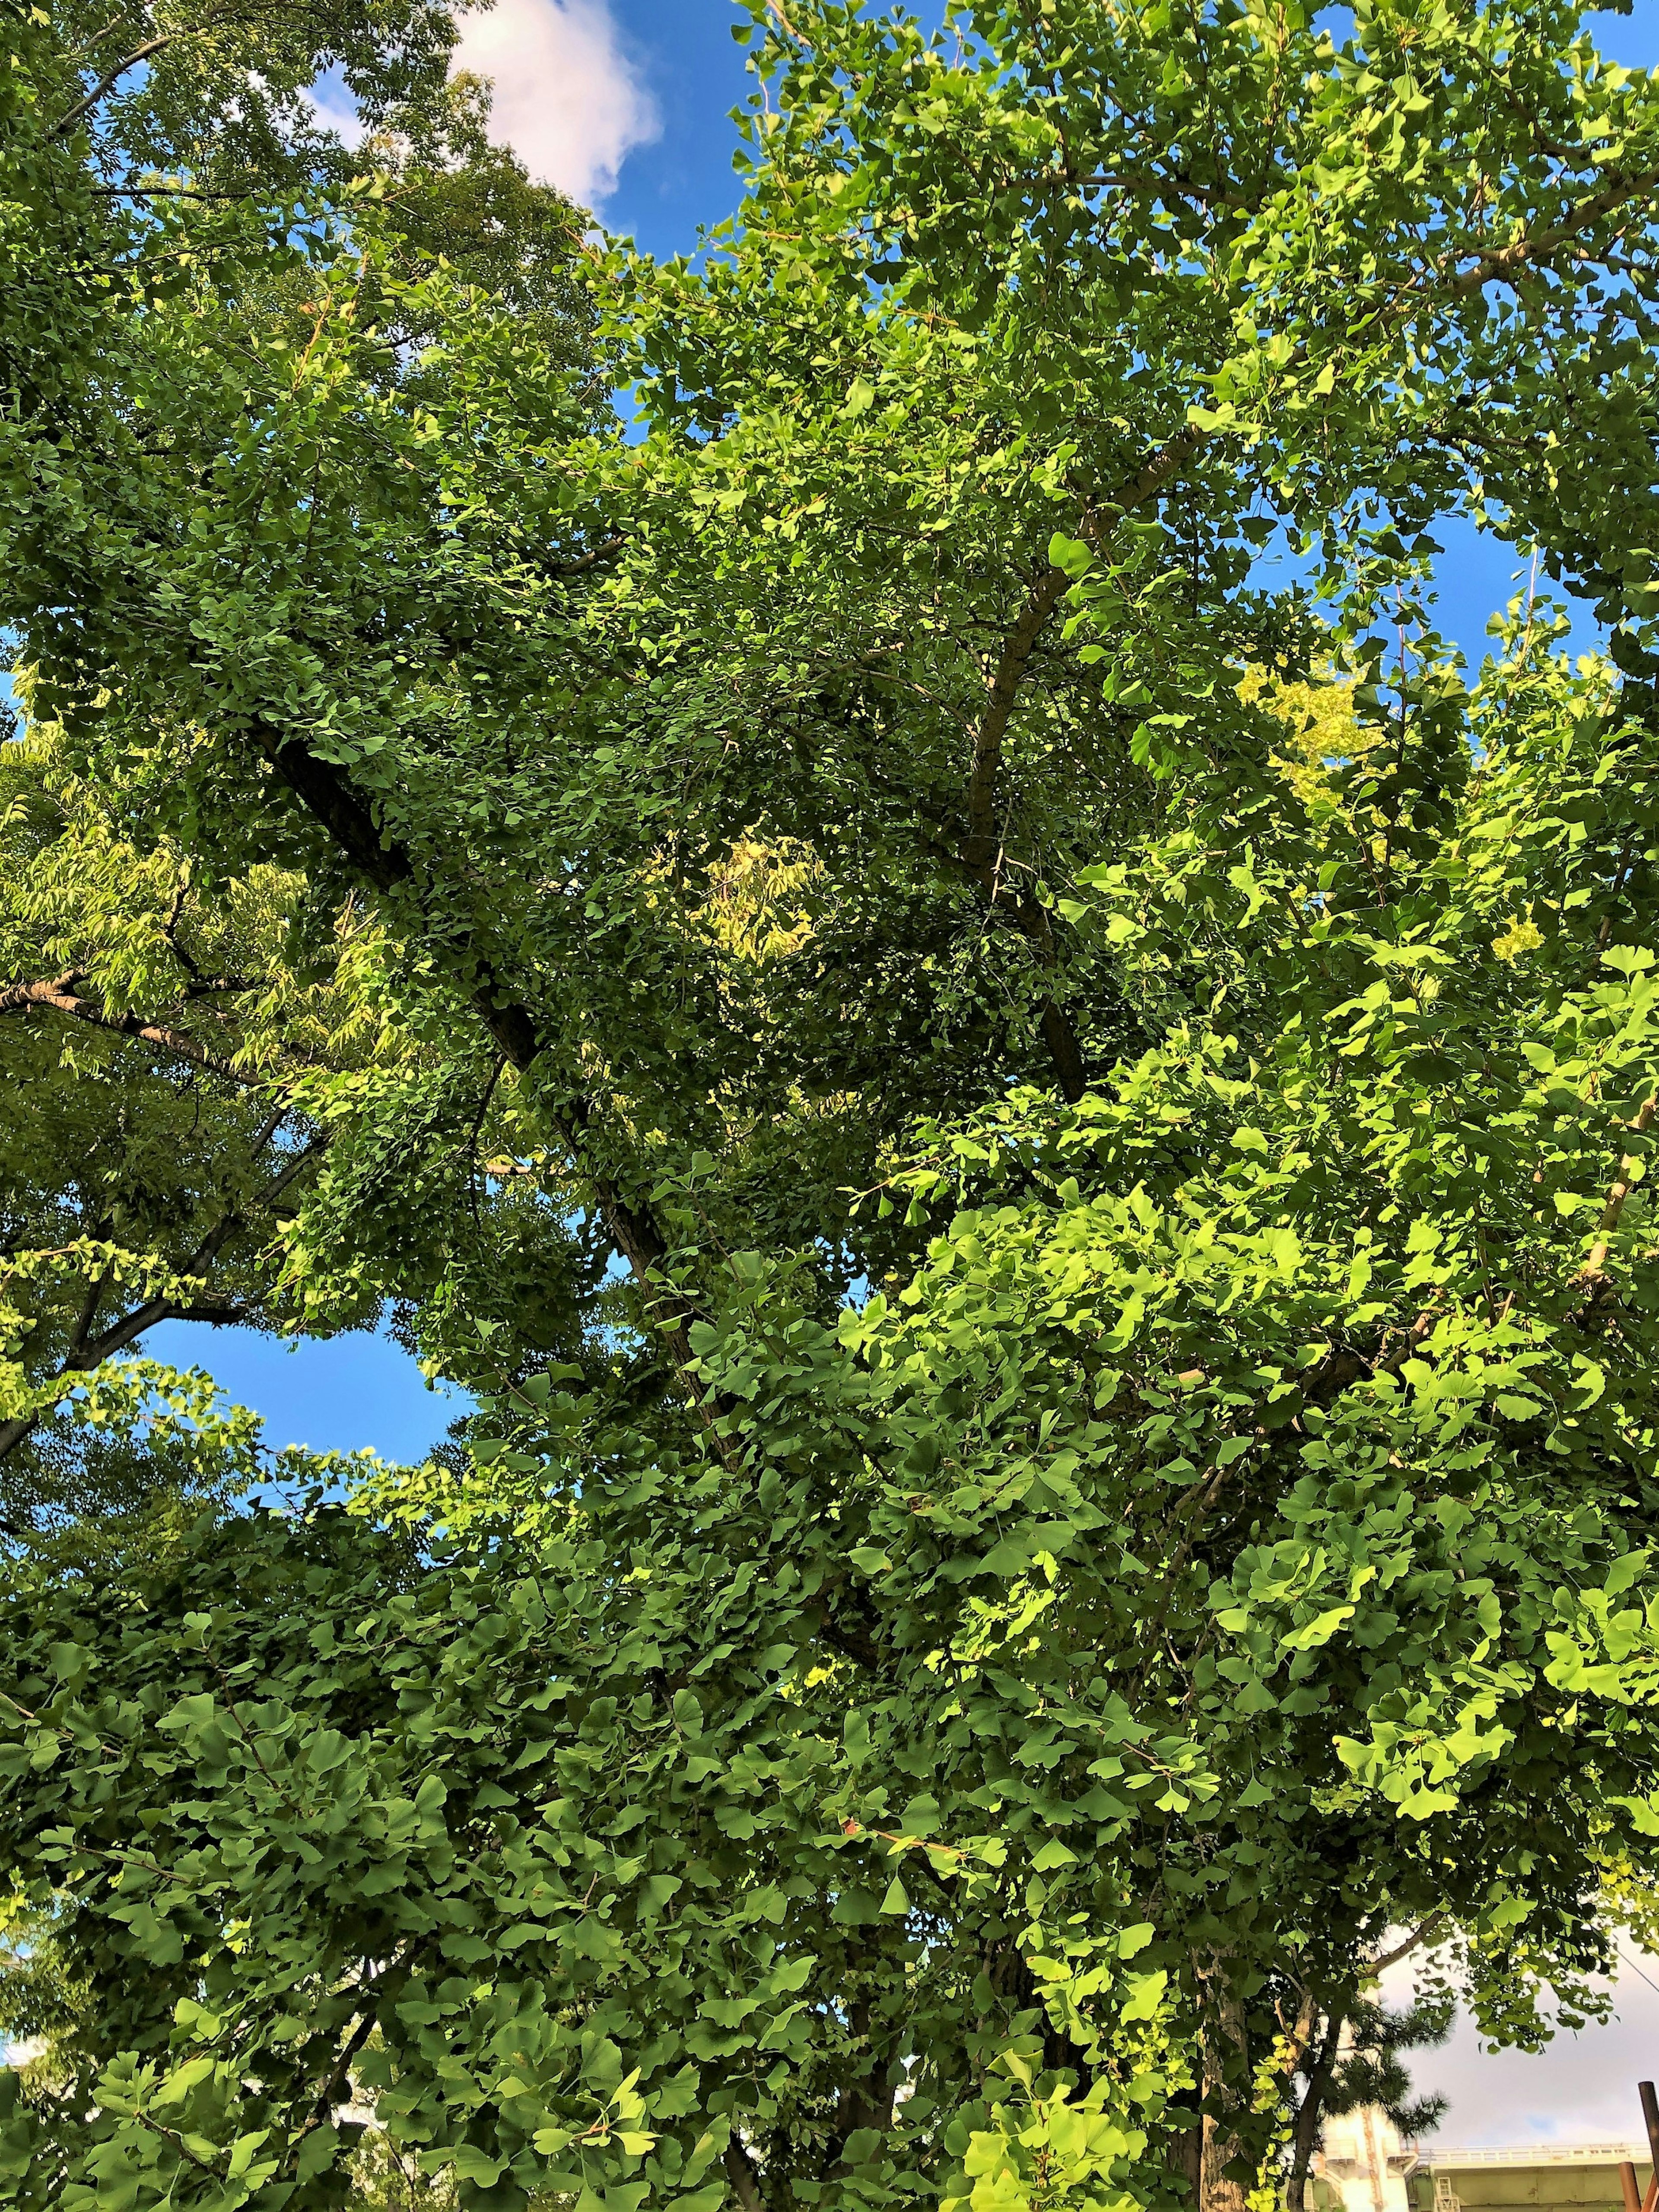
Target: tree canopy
x=1024, y=1102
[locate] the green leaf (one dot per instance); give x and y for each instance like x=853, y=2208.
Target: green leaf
x=1146, y=1995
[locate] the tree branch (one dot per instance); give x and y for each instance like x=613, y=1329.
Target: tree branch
x=744, y=2176
x=1429, y=1929
x=85, y=1357
x=1629, y=1166
x=394, y=1973
x=164, y=193
x=854, y=1641
x=58, y=996
x=980, y=847
x=88, y=1313
x=107, y=82
x=586, y=561
x=1494, y=265
x=1310, y=2110
x=328, y=795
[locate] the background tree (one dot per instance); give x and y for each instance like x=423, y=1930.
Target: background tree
x=1359, y=2056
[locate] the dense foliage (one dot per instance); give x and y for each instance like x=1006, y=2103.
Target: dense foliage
x=1026, y=1105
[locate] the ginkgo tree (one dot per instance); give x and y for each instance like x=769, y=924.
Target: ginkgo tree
x=1103, y=1475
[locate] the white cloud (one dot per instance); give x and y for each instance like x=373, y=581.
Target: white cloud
x=1581, y=2089
x=568, y=99
x=335, y=109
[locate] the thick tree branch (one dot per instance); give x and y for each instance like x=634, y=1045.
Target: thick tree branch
x=866, y=2103
x=340, y=2080
x=743, y=2175
x=1065, y=1049
x=584, y=561
x=107, y=82
x=1498, y=263
x=1341, y=1368
x=167, y=192
x=58, y=996
x=88, y=1313
x=1305, y=2136
x=980, y=847
x=328, y=795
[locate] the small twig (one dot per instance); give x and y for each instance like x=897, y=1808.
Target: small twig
x=586, y=561
x=133, y=1858
x=774, y=9
x=178, y=2142
x=472, y=1147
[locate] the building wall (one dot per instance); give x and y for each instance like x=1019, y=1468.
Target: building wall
x=1573, y=2188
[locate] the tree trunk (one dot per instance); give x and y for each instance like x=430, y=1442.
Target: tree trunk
x=1226, y=2085
x=1186, y=2160
x=1310, y=2112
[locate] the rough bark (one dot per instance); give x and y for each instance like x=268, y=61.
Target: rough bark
x=1226, y=2062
